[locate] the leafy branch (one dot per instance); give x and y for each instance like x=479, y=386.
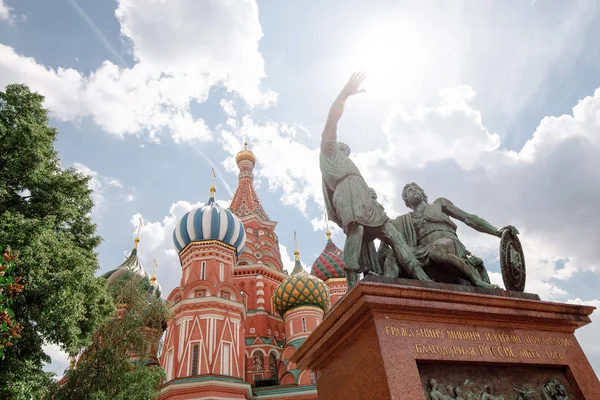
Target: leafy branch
x=9, y=288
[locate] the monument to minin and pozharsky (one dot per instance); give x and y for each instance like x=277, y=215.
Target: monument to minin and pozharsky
x=426, y=322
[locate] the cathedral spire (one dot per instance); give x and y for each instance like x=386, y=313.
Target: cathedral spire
x=327, y=232
x=137, y=236
x=212, y=188
x=245, y=200
x=297, y=265
x=153, y=277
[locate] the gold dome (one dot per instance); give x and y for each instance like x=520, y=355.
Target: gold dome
x=245, y=155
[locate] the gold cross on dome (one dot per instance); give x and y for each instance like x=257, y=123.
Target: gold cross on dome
x=213, y=188
x=295, y=242
x=155, y=267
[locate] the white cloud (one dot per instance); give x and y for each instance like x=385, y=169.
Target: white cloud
x=423, y=137
x=100, y=185
x=128, y=197
x=227, y=106
x=156, y=242
x=286, y=163
x=5, y=12
x=287, y=259
x=174, y=67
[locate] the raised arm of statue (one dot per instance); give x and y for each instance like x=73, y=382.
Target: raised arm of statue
x=329, y=137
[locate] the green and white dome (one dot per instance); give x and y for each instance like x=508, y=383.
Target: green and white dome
x=132, y=268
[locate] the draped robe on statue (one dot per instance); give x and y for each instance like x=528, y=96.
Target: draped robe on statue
x=348, y=200
x=422, y=230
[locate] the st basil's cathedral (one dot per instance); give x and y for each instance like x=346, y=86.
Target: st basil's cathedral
x=237, y=316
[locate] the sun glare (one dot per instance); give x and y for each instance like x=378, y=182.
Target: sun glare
x=393, y=54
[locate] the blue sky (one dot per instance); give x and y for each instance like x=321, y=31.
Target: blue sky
x=494, y=105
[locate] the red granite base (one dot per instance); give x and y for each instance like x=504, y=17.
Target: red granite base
x=384, y=341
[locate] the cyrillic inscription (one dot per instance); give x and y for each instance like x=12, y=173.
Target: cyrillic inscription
x=482, y=349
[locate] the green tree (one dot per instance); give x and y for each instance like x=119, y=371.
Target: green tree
x=45, y=213
x=105, y=370
x=9, y=287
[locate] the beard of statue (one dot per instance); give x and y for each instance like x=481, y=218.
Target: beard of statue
x=415, y=200
x=414, y=196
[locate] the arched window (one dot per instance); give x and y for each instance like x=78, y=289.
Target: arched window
x=303, y=324
x=273, y=365
x=244, y=299
x=257, y=362
x=312, y=378
x=169, y=366
x=195, y=360
x=203, y=270
x=226, y=359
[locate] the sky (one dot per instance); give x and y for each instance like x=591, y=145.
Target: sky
x=494, y=105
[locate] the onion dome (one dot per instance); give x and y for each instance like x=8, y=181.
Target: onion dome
x=132, y=268
x=330, y=262
x=245, y=155
x=300, y=289
x=210, y=222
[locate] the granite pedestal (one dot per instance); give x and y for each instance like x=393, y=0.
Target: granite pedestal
x=391, y=338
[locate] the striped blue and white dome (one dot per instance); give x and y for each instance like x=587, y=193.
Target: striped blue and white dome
x=210, y=222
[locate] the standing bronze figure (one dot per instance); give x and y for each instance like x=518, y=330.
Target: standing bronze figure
x=350, y=204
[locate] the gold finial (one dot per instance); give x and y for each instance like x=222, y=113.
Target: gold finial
x=327, y=232
x=137, y=237
x=213, y=188
x=245, y=154
x=153, y=277
x=296, y=252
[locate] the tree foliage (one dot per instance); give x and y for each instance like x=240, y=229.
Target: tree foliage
x=45, y=213
x=9, y=288
x=105, y=370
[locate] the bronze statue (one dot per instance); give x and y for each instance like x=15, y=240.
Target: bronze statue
x=434, y=393
x=349, y=201
x=431, y=234
x=486, y=394
x=456, y=394
x=554, y=390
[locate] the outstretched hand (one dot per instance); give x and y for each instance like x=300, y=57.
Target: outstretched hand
x=512, y=229
x=353, y=85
